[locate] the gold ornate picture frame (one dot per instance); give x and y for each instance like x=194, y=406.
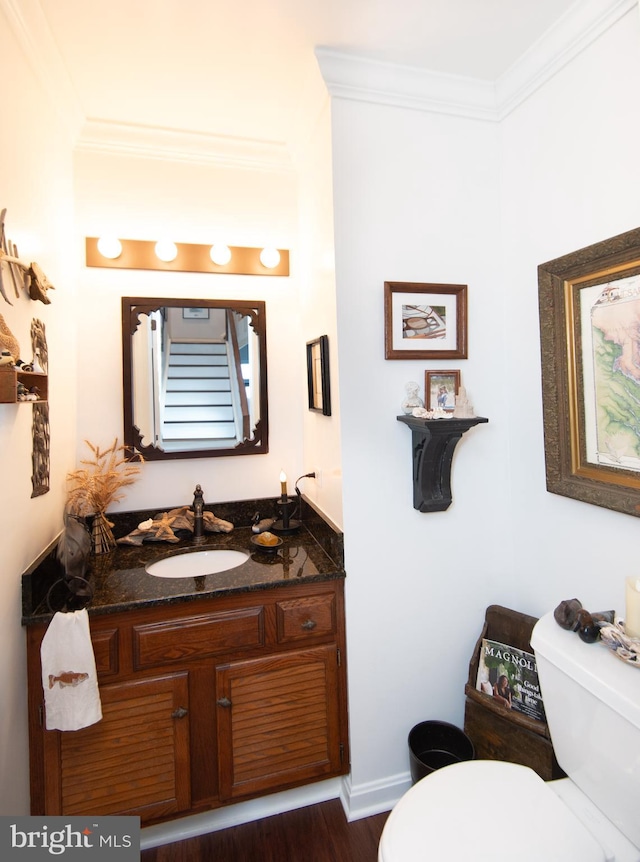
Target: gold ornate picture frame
x=589, y=307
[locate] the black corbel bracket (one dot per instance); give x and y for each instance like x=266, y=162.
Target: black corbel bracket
x=433, y=443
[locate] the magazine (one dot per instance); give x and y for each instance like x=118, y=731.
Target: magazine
x=510, y=676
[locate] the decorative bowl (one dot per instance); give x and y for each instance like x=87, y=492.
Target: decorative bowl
x=267, y=549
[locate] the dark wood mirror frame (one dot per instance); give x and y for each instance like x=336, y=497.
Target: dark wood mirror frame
x=256, y=439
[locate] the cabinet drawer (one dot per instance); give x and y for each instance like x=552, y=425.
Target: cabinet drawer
x=304, y=618
x=197, y=637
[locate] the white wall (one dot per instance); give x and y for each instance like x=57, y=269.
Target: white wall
x=148, y=198
x=428, y=197
x=321, y=434
x=35, y=187
x=415, y=200
x=570, y=177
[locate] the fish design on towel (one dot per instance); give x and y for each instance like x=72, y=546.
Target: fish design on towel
x=67, y=677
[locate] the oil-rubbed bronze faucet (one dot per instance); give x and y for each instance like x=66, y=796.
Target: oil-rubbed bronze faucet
x=198, y=515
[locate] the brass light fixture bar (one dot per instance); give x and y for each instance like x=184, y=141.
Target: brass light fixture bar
x=190, y=257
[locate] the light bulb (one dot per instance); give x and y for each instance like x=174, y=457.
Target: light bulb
x=269, y=257
x=110, y=247
x=166, y=250
x=220, y=254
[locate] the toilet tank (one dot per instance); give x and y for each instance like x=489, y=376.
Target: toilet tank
x=592, y=703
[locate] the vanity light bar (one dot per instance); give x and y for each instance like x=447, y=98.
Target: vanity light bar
x=141, y=254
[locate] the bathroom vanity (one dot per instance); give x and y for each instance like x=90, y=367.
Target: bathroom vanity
x=214, y=689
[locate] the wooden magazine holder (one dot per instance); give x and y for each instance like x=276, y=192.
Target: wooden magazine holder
x=499, y=734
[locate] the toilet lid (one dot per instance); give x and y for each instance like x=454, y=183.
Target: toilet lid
x=485, y=810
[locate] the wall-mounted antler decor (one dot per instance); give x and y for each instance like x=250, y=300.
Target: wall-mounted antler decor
x=26, y=275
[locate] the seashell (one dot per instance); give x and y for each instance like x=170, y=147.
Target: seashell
x=262, y=525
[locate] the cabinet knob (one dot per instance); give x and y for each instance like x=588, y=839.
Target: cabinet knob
x=309, y=625
x=223, y=701
x=180, y=712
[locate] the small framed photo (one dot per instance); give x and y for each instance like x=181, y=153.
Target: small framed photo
x=318, y=375
x=440, y=390
x=425, y=321
x=195, y=314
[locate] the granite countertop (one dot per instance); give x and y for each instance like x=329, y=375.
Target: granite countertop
x=119, y=580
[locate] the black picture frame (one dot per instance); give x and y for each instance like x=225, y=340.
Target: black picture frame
x=318, y=379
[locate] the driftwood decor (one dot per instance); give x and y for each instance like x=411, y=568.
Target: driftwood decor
x=28, y=276
x=41, y=455
x=41, y=449
x=39, y=343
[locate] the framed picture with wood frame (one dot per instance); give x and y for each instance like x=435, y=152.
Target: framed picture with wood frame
x=425, y=321
x=589, y=302
x=440, y=390
x=318, y=375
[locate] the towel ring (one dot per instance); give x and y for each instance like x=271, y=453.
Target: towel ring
x=78, y=590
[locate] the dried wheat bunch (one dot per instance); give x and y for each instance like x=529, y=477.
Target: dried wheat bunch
x=99, y=483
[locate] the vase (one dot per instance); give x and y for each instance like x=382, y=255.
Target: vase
x=102, y=539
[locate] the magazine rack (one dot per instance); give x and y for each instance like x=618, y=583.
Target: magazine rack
x=498, y=734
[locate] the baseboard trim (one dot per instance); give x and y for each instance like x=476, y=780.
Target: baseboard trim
x=358, y=801
x=374, y=797
x=243, y=812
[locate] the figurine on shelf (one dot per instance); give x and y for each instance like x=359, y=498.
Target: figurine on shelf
x=464, y=408
x=412, y=399
x=35, y=365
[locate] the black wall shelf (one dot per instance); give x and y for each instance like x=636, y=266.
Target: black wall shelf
x=433, y=445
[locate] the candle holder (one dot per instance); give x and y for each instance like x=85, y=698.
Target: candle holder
x=286, y=524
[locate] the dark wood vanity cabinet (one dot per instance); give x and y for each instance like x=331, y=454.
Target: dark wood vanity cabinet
x=204, y=702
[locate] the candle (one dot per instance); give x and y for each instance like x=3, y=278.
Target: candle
x=283, y=483
x=632, y=614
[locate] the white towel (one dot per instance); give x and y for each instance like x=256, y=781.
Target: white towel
x=69, y=676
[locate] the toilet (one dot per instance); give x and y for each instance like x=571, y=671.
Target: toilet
x=494, y=810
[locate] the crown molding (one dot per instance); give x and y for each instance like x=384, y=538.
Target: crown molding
x=30, y=27
x=582, y=24
x=345, y=76
x=360, y=79
x=152, y=142
x=32, y=32
x=348, y=76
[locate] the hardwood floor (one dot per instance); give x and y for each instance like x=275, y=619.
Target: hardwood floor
x=318, y=833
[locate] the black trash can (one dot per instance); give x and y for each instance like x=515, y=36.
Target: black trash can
x=433, y=744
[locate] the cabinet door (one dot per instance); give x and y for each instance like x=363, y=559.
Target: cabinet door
x=134, y=761
x=278, y=721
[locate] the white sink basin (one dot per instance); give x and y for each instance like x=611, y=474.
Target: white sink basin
x=195, y=564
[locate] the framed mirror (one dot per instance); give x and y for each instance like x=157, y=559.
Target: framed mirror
x=194, y=377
